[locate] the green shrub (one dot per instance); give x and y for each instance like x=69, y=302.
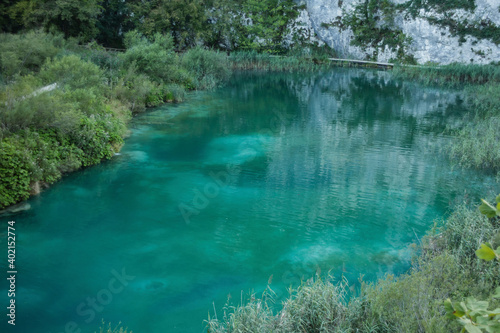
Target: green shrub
x=208, y=68
x=132, y=89
x=99, y=137
x=165, y=93
x=14, y=173
x=71, y=72
x=28, y=157
x=413, y=302
x=41, y=111
x=155, y=58
x=27, y=52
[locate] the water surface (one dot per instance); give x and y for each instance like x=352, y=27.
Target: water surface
x=274, y=177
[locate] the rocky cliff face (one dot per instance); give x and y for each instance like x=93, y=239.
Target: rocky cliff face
x=439, y=32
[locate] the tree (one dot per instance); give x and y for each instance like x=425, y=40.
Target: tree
x=270, y=20
x=75, y=18
x=8, y=21
x=114, y=22
x=186, y=20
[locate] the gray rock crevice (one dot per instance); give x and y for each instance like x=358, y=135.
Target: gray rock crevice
x=430, y=42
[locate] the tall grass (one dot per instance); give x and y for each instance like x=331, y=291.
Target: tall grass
x=251, y=60
x=451, y=75
x=316, y=306
x=207, y=68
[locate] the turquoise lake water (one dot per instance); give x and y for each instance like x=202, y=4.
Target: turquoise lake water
x=274, y=176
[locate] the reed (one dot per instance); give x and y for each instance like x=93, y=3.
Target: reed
x=454, y=74
x=251, y=60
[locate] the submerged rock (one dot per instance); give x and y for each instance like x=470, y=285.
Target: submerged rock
x=21, y=207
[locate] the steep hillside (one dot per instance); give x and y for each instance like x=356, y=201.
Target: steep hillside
x=466, y=31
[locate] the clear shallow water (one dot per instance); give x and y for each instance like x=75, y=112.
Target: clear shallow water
x=275, y=175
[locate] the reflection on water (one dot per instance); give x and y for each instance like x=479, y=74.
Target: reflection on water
x=279, y=175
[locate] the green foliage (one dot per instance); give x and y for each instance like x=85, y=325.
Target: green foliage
x=155, y=58
x=225, y=25
x=26, y=53
x=481, y=29
x=476, y=145
x=14, y=173
x=411, y=302
x=24, y=107
x=269, y=25
x=320, y=306
x=72, y=17
x=109, y=62
x=315, y=306
x=99, y=137
x=487, y=253
x=414, y=6
x=185, y=19
x=489, y=210
x=7, y=23
x=209, y=69
x=132, y=89
x=29, y=157
x=72, y=72
x=472, y=314
x=372, y=22
x=114, y=21
x=245, y=60
x=51, y=130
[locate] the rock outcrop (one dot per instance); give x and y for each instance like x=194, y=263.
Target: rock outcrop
x=432, y=40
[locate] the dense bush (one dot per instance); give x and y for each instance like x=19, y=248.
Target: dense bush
x=14, y=173
x=71, y=72
x=26, y=53
x=63, y=108
x=155, y=58
x=47, y=132
x=24, y=108
x=208, y=68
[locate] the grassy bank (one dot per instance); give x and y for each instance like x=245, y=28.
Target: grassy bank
x=64, y=106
